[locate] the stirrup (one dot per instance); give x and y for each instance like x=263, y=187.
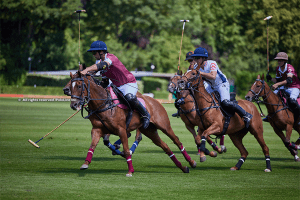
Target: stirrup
x=247, y=119
x=175, y=115
x=265, y=119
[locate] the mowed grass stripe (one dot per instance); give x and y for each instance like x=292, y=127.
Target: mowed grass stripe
x=52, y=172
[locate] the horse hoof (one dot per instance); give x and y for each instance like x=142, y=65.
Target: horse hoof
x=198, y=154
x=213, y=154
x=233, y=168
x=202, y=159
x=223, y=149
x=297, y=159
x=186, y=169
x=84, y=166
x=129, y=174
x=267, y=170
x=193, y=163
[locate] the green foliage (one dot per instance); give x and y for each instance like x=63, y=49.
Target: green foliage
x=141, y=33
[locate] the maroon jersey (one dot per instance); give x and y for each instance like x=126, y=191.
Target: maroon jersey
x=117, y=72
x=289, y=69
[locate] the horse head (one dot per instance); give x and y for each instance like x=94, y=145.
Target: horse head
x=78, y=91
x=258, y=89
x=173, y=84
x=190, y=80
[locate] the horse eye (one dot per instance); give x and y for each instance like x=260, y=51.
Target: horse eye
x=194, y=73
x=79, y=86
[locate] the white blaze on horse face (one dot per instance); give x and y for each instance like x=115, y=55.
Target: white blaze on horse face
x=73, y=84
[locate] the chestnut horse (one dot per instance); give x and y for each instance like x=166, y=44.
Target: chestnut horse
x=188, y=113
x=107, y=118
x=212, y=122
x=279, y=116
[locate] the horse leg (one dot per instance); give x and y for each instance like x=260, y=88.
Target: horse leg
x=223, y=148
x=138, y=138
x=113, y=148
x=96, y=135
x=124, y=140
x=176, y=141
x=237, y=139
x=153, y=135
x=260, y=139
x=289, y=130
x=214, y=146
x=204, y=151
x=286, y=143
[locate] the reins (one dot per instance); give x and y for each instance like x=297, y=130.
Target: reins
x=84, y=100
x=265, y=97
x=194, y=88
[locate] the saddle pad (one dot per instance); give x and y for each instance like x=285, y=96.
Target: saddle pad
x=123, y=106
x=298, y=100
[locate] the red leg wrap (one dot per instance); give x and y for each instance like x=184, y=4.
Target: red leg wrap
x=90, y=155
x=129, y=162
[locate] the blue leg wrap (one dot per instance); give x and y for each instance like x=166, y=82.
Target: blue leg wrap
x=134, y=146
x=113, y=148
x=118, y=142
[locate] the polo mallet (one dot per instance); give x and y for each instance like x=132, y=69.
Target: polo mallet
x=181, y=42
x=268, y=18
x=79, y=11
x=37, y=146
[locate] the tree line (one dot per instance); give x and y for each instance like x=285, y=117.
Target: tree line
x=146, y=32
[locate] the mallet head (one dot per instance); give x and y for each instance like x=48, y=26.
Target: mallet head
x=267, y=18
x=79, y=11
x=184, y=20
x=33, y=143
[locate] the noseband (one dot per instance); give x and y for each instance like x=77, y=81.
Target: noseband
x=83, y=99
x=256, y=95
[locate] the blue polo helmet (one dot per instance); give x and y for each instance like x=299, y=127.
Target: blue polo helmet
x=98, y=46
x=200, y=51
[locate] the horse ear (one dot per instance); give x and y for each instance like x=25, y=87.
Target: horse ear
x=71, y=75
x=258, y=76
x=180, y=73
x=263, y=77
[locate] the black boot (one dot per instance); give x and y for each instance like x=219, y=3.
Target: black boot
x=239, y=110
x=293, y=104
x=175, y=114
x=136, y=104
x=266, y=119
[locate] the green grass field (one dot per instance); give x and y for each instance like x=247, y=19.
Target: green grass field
x=52, y=172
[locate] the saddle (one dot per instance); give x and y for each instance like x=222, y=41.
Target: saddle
x=121, y=102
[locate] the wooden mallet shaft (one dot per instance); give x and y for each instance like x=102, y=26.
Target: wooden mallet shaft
x=37, y=146
x=181, y=41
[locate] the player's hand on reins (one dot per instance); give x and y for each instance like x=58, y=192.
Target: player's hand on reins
x=275, y=86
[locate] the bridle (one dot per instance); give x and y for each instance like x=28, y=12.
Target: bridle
x=265, y=97
x=193, y=88
x=263, y=88
x=83, y=99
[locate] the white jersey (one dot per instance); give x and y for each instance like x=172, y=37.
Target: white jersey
x=210, y=66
